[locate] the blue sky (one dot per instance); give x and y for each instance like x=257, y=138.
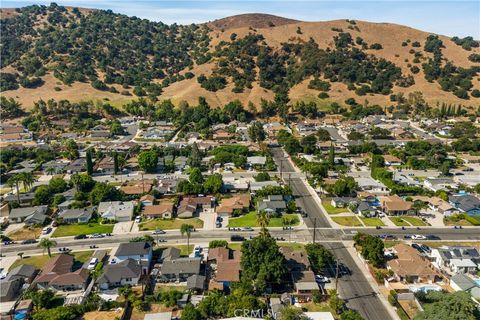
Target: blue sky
x=453, y=17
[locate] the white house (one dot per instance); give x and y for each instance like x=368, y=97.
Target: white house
x=138, y=251
x=462, y=266
x=116, y=210
x=126, y=272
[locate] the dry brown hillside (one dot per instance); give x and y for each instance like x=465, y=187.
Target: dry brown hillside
x=277, y=30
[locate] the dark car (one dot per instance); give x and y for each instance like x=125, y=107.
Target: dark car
x=237, y=238
x=29, y=241
x=80, y=236
x=432, y=237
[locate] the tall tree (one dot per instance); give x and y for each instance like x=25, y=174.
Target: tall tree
x=89, y=162
x=47, y=244
x=195, y=156
x=15, y=181
x=262, y=263
x=115, y=163
x=331, y=156
x=148, y=161
x=187, y=229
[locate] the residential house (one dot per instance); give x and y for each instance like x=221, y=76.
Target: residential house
x=106, y=165
x=469, y=159
x=22, y=198
x=170, y=253
x=222, y=135
x=57, y=274
x=163, y=210
x=256, y=161
x=409, y=266
x=138, y=251
x=365, y=209
x=272, y=204
x=189, y=205
x=392, y=160
x=394, y=206
x=462, y=282
x=147, y=200
x=28, y=215
x=371, y=185
x=303, y=278
x=82, y=215
x=77, y=166
x=196, y=283
x=438, y=205
x=116, y=210
x=457, y=259
x=16, y=279
x=180, y=269
x=343, y=202
x=157, y=133
x=239, y=203
x=255, y=186
x=126, y=272
x=437, y=184
x=467, y=203
x=225, y=264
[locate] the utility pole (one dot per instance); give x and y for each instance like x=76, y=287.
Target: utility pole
x=336, y=277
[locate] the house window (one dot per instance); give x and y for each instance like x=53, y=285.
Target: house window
x=128, y=279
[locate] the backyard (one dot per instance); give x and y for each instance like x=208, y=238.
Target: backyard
x=168, y=224
x=87, y=228
x=250, y=220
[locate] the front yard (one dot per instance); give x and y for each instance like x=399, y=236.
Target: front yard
x=168, y=224
x=26, y=233
x=250, y=220
x=87, y=228
x=348, y=221
x=39, y=261
x=408, y=221
x=373, y=222
x=326, y=203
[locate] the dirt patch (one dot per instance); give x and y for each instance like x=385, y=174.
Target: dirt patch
x=103, y=315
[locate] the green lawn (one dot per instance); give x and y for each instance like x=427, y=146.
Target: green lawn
x=399, y=222
x=372, y=222
x=76, y=229
x=408, y=221
x=331, y=209
x=250, y=220
x=39, y=261
x=417, y=222
x=183, y=249
x=168, y=224
x=349, y=221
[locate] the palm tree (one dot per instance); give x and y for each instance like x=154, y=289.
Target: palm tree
x=15, y=181
x=75, y=179
x=263, y=219
x=27, y=179
x=50, y=171
x=187, y=229
x=46, y=244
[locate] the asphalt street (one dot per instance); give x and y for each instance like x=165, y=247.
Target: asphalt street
x=354, y=287
x=316, y=218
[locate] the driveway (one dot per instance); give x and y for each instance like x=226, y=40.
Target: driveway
x=122, y=227
x=208, y=216
x=11, y=228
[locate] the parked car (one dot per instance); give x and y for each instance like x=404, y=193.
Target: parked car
x=247, y=229
x=419, y=237
x=92, y=264
x=29, y=241
x=138, y=219
x=97, y=235
x=46, y=230
x=80, y=236
x=158, y=231
x=237, y=238
x=321, y=279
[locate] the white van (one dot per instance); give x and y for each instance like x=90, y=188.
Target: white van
x=92, y=264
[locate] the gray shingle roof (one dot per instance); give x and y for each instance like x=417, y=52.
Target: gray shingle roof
x=181, y=265
x=113, y=273
x=133, y=248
